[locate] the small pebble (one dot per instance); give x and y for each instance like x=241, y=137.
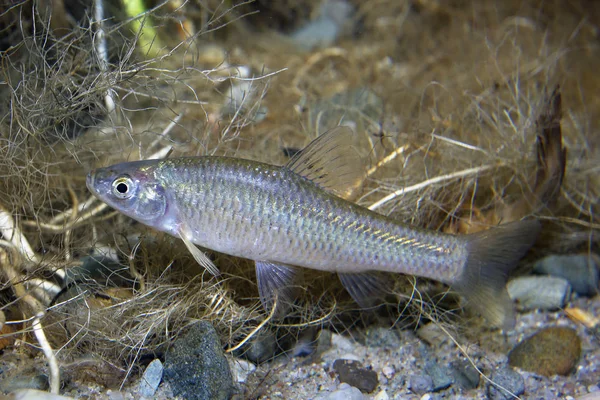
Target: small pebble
x=539, y=292
x=240, y=369
x=382, y=337
x=352, y=373
x=381, y=396
x=551, y=351
x=580, y=270
x=324, y=30
x=510, y=380
x=342, y=343
x=432, y=334
x=262, y=347
x=441, y=376
x=420, y=384
x=388, y=371
x=344, y=392
x=465, y=375
x=151, y=378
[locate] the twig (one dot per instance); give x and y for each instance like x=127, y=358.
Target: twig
x=62, y=217
x=313, y=322
x=38, y=311
x=432, y=181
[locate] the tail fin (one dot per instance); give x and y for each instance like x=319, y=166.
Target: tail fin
x=492, y=254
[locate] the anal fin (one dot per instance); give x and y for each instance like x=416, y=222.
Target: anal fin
x=276, y=281
x=366, y=288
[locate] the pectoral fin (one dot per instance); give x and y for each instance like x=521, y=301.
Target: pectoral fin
x=199, y=255
x=366, y=288
x=275, y=280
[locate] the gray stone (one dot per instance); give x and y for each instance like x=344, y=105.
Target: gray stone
x=240, y=369
x=539, y=292
x=324, y=30
x=352, y=373
x=441, y=377
x=151, y=379
x=580, y=270
x=260, y=348
x=344, y=392
x=420, y=384
x=511, y=384
x=465, y=375
x=195, y=366
x=382, y=337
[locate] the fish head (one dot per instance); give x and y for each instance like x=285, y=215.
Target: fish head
x=131, y=188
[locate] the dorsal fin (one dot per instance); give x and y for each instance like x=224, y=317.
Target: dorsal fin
x=333, y=162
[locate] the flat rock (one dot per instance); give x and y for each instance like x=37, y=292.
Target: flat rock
x=539, y=292
x=551, y=351
x=352, y=373
x=580, y=270
x=151, y=379
x=511, y=382
x=196, y=367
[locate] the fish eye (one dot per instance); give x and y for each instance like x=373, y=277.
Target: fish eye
x=122, y=187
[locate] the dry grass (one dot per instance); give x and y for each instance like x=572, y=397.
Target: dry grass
x=462, y=85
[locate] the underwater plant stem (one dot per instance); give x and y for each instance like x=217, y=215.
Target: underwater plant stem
x=429, y=182
x=255, y=330
x=12, y=233
x=38, y=330
x=101, y=49
x=387, y=159
x=73, y=224
x=37, y=310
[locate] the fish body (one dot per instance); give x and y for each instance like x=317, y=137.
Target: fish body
x=286, y=216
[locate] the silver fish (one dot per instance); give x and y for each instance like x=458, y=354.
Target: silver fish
x=298, y=215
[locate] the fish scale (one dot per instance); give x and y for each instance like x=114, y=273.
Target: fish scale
x=300, y=215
